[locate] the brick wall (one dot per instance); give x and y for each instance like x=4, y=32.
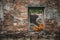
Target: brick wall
x=20, y=12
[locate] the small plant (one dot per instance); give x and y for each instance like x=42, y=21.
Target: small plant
x=33, y=11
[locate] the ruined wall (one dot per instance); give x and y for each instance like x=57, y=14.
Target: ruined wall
x=53, y=10
x=19, y=10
